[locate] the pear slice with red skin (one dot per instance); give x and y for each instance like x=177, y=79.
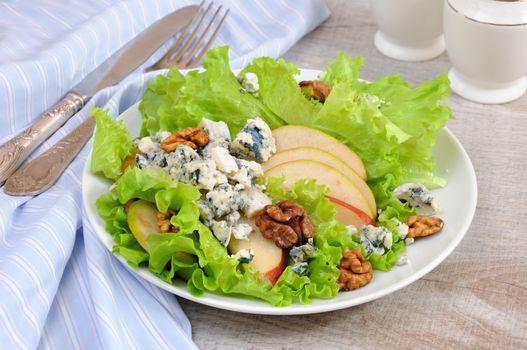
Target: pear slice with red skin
x=268, y=259
x=315, y=154
x=341, y=187
x=350, y=215
x=293, y=136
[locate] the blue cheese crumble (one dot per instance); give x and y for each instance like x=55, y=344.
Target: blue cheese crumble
x=303, y=253
x=254, y=142
x=300, y=255
x=301, y=268
x=223, y=200
x=402, y=259
x=375, y=239
x=224, y=171
x=400, y=228
x=253, y=200
x=249, y=82
x=224, y=161
x=418, y=197
x=244, y=256
x=218, y=132
x=242, y=231
x=222, y=231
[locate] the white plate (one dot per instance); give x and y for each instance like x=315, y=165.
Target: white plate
x=458, y=201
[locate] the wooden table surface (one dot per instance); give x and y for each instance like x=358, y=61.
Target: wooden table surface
x=476, y=298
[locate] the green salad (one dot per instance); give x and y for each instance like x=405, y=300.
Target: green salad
x=391, y=126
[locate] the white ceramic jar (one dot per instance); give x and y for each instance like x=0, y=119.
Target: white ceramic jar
x=487, y=45
x=409, y=30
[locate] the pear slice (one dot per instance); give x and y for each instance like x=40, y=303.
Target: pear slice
x=142, y=221
x=315, y=154
x=341, y=187
x=293, y=136
x=268, y=259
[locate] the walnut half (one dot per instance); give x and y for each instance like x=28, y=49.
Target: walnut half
x=192, y=137
x=355, y=271
x=315, y=89
x=163, y=222
x=286, y=223
x=422, y=226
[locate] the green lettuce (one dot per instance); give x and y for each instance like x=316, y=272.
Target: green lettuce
x=195, y=255
x=112, y=143
x=175, y=101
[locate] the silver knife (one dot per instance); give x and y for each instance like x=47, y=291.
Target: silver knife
x=110, y=72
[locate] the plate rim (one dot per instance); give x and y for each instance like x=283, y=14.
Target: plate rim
x=262, y=307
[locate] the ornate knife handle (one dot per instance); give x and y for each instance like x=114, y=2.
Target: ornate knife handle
x=15, y=151
x=42, y=172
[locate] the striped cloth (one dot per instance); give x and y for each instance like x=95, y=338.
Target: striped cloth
x=59, y=287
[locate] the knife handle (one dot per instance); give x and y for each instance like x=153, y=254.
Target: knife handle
x=42, y=172
x=16, y=150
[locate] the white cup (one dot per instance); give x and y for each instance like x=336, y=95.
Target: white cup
x=409, y=30
x=487, y=45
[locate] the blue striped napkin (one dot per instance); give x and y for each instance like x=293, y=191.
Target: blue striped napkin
x=59, y=287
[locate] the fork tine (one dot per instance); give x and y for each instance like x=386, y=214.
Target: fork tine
x=188, y=56
x=177, y=44
x=204, y=49
x=188, y=41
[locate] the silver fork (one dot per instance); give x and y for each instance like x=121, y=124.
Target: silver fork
x=186, y=53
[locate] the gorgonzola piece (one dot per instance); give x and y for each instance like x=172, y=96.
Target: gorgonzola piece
x=253, y=200
x=303, y=253
x=146, y=145
x=248, y=172
x=224, y=161
x=254, y=142
x=244, y=256
x=203, y=173
x=242, y=231
x=250, y=82
x=300, y=268
x=375, y=239
x=402, y=259
x=223, y=200
x=222, y=231
x=161, y=135
x=156, y=159
x=218, y=132
x=417, y=196
x=401, y=228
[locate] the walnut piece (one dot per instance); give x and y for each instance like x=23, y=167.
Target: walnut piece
x=129, y=161
x=315, y=89
x=163, y=222
x=422, y=226
x=286, y=223
x=355, y=271
x=192, y=137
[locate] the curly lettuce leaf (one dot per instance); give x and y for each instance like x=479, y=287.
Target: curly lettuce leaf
x=193, y=253
x=111, y=144
x=176, y=101
x=154, y=96
x=280, y=91
x=344, y=69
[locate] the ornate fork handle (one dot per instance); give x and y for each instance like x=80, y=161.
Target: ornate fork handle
x=15, y=151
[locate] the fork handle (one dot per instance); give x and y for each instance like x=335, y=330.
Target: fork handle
x=15, y=151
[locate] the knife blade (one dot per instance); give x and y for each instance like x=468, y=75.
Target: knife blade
x=110, y=72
